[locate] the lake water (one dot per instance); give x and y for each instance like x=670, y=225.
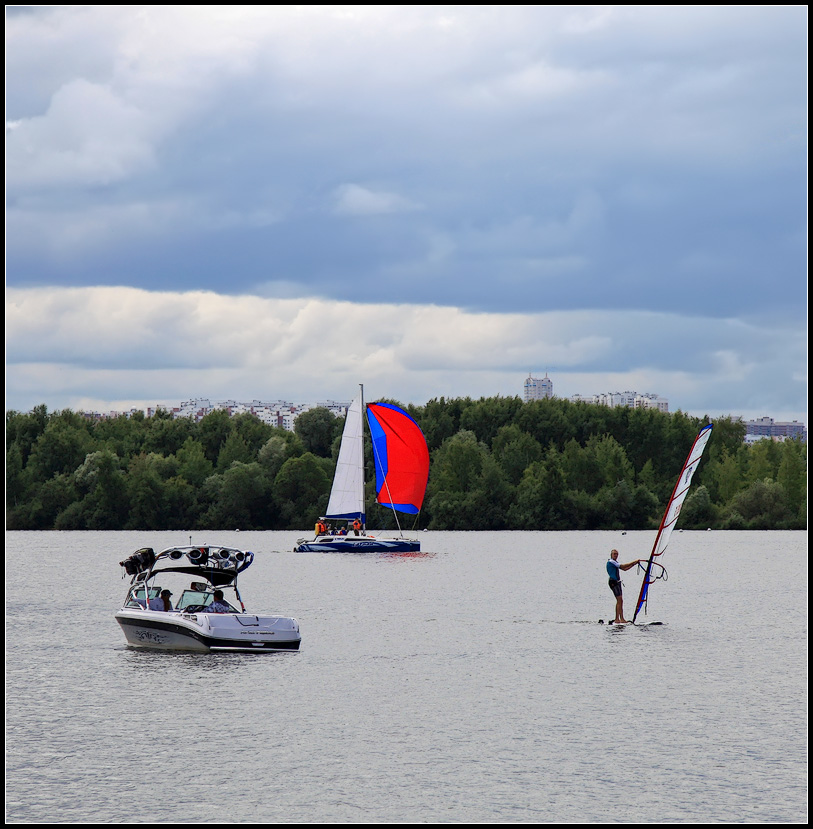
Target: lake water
x=468, y=684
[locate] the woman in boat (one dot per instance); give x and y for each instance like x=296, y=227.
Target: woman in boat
x=162, y=602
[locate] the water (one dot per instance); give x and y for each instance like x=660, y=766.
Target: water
x=468, y=684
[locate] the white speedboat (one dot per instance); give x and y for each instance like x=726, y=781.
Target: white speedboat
x=192, y=622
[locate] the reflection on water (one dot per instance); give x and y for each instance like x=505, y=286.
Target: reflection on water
x=470, y=683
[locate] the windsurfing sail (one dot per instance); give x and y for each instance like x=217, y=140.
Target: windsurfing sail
x=401, y=458
x=347, y=494
x=654, y=570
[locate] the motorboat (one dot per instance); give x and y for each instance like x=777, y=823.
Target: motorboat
x=209, y=614
x=401, y=459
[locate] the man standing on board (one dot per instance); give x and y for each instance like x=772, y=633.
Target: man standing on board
x=614, y=571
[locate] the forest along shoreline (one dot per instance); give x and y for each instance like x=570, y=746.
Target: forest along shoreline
x=495, y=464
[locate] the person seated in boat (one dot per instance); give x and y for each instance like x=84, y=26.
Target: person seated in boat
x=342, y=531
x=162, y=602
x=219, y=605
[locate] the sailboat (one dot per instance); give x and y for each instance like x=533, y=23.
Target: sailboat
x=654, y=570
x=401, y=470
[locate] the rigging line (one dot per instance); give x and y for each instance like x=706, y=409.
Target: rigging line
x=389, y=494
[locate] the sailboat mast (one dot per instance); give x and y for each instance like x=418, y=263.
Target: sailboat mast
x=363, y=496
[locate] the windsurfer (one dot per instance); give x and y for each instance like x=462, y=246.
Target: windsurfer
x=614, y=571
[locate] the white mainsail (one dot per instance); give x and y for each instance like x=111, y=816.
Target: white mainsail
x=347, y=494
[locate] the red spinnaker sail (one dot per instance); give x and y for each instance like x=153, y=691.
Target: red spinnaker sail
x=401, y=458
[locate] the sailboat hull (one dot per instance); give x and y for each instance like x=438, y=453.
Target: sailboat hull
x=357, y=544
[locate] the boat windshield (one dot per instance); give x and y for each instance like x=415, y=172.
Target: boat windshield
x=136, y=597
x=191, y=598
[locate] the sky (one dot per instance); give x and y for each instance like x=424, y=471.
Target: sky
x=283, y=202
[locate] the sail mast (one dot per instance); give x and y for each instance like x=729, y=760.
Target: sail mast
x=361, y=461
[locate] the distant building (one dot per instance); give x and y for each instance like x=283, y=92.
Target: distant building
x=626, y=399
x=767, y=428
x=279, y=414
x=536, y=389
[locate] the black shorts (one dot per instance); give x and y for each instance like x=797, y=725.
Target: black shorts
x=615, y=586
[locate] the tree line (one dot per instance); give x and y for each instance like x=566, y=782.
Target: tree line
x=496, y=464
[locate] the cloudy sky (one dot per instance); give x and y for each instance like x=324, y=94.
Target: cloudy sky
x=281, y=202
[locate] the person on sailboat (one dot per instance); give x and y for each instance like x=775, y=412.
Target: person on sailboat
x=614, y=571
x=356, y=526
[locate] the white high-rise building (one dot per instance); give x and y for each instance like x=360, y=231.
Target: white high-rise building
x=536, y=389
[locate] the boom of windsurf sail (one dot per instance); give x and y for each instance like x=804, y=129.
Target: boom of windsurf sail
x=654, y=570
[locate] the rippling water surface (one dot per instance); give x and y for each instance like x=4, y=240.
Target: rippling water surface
x=468, y=684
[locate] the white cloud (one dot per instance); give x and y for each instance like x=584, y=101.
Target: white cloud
x=88, y=136
x=356, y=200
x=72, y=345
x=526, y=159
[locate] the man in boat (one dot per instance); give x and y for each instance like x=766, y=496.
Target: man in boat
x=614, y=571
x=218, y=605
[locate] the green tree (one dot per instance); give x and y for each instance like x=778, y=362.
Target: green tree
x=166, y=434
x=239, y=498
x=439, y=420
x=180, y=504
x=22, y=430
x=792, y=476
x=212, y=431
x=762, y=506
x=301, y=489
x=106, y=504
x=235, y=450
x=538, y=504
x=764, y=458
x=317, y=428
x=726, y=479
x=44, y=502
x=611, y=460
x=123, y=435
x=277, y=449
x=253, y=431
x=515, y=450
x=61, y=447
x=698, y=511
x=194, y=466
x=488, y=415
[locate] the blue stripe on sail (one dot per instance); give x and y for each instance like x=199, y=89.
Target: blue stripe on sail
x=379, y=438
x=409, y=508
x=349, y=516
